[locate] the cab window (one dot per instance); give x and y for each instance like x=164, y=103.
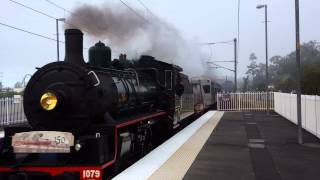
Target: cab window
x=206, y=89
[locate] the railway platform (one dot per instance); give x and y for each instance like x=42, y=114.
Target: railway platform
x=232, y=146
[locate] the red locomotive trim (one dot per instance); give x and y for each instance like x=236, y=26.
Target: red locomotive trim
x=140, y=119
x=119, y=126
x=55, y=170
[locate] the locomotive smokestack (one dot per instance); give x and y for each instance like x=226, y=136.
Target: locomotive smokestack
x=74, y=46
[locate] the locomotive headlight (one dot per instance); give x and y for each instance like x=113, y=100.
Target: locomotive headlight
x=48, y=101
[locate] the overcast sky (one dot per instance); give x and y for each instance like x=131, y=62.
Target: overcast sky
x=203, y=20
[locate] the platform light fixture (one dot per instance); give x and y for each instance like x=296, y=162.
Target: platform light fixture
x=266, y=37
x=260, y=6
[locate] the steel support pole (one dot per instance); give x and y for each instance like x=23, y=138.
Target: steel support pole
x=235, y=65
x=300, y=138
x=57, y=29
x=267, y=71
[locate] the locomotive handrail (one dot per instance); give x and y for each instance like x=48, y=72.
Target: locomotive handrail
x=113, y=72
x=157, y=74
x=136, y=74
x=96, y=77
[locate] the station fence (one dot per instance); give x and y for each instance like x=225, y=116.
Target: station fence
x=245, y=101
x=286, y=105
x=11, y=111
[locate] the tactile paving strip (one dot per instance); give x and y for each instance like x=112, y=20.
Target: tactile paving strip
x=263, y=165
x=179, y=163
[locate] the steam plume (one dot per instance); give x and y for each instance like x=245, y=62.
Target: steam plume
x=136, y=36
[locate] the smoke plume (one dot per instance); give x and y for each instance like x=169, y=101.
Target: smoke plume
x=125, y=31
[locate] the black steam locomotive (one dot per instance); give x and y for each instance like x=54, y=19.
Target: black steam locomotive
x=85, y=119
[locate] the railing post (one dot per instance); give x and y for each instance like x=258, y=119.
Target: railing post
x=239, y=104
x=218, y=107
x=318, y=127
x=7, y=110
x=315, y=114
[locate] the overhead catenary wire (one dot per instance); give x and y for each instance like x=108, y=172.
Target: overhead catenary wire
x=130, y=8
x=33, y=33
x=29, y=32
x=222, y=61
x=134, y=11
x=28, y=7
x=145, y=7
x=64, y=9
x=219, y=66
x=58, y=6
x=220, y=42
x=45, y=14
x=209, y=44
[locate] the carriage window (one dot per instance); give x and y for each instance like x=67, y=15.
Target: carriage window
x=206, y=89
x=168, y=80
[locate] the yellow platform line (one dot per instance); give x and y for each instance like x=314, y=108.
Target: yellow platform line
x=178, y=164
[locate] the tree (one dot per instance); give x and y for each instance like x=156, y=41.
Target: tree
x=252, y=68
x=245, y=87
x=310, y=80
x=283, y=74
x=257, y=73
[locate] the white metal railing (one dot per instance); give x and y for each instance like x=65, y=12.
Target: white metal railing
x=11, y=111
x=245, y=101
x=286, y=105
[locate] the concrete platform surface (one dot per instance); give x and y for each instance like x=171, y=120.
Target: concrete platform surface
x=146, y=166
x=179, y=163
x=253, y=146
